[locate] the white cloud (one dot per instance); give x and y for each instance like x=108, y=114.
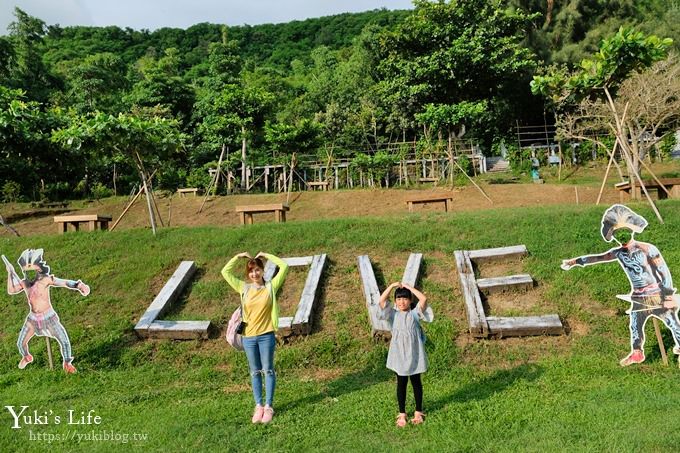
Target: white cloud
x=153, y=14
x=62, y=12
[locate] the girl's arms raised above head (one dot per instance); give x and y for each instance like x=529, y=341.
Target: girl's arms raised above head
x=386, y=294
x=422, y=299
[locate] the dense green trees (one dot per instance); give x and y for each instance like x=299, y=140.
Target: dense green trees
x=334, y=86
x=447, y=53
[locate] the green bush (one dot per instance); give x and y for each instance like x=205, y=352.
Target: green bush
x=11, y=191
x=100, y=191
x=199, y=177
x=56, y=191
x=466, y=164
x=666, y=145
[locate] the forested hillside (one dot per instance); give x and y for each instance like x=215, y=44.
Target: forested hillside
x=84, y=109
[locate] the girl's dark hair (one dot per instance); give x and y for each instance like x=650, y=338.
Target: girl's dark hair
x=406, y=293
x=254, y=262
x=403, y=292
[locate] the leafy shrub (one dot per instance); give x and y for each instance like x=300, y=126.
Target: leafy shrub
x=519, y=158
x=200, y=177
x=382, y=164
x=56, y=191
x=99, y=191
x=466, y=164
x=11, y=191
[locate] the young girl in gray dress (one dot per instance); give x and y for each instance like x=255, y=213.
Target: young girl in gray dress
x=406, y=356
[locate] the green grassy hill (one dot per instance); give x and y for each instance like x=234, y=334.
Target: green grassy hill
x=334, y=393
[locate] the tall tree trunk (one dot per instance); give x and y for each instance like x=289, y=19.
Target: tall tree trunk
x=548, y=13
x=243, y=157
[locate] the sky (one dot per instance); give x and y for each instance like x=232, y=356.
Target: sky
x=154, y=14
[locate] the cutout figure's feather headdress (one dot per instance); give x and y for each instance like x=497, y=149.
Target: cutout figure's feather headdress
x=32, y=258
x=619, y=216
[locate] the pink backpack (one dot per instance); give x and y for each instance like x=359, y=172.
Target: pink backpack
x=233, y=338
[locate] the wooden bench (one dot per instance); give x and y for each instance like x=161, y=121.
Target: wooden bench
x=279, y=210
x=321, y=184
x=426, y=180
x=446, y=199
x=182, y=192
x=49, y=204
x=95, y=221
x=672, y=184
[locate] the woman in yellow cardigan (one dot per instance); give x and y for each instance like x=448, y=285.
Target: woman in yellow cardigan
x=260, y=313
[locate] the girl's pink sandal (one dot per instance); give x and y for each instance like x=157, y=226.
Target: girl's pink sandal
x=401, y=420
x=417, y=418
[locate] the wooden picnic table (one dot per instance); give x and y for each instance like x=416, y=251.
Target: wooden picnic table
x=94, y=221
x=279, y=210
x=446, y=199
x=672, y=184
x=320, y=184
x=183, y=192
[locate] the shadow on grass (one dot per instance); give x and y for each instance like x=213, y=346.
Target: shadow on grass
x=488, y=386
x=320, y=306
x=575, y=169
x=349, y=383
x=107, y=354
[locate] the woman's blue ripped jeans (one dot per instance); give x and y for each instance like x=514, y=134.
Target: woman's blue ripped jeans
x=260, y=353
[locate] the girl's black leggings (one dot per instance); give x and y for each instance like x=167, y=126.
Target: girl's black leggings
x=402, y=382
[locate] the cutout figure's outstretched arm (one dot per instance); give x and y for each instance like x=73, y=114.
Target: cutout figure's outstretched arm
x=77, y=285
x=588, y=259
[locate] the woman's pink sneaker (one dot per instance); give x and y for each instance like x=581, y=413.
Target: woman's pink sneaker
x=268, y=414
x=257, y=415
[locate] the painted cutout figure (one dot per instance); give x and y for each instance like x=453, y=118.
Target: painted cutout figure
x=42, y=320
x=652, y=292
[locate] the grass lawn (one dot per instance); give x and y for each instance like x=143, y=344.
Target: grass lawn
x=334, y=393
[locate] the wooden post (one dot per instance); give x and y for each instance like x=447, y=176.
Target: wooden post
x=473, y=182
x=140, y=166
x=559, y=169
x=659, y=339
x=139, y=192
x=606, y=173
x=170, y=210
x=576, y=190
x=49, y=353
x=8, y=227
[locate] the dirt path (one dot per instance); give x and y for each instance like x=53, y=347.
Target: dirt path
x=324, y=205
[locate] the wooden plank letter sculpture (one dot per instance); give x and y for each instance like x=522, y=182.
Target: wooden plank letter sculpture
x=652, y=293
x=381, y=328
x=483, y=326
x=42, y=320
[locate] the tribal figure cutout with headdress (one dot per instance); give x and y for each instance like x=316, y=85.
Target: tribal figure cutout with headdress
x=42, y=320
x=652, y=293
